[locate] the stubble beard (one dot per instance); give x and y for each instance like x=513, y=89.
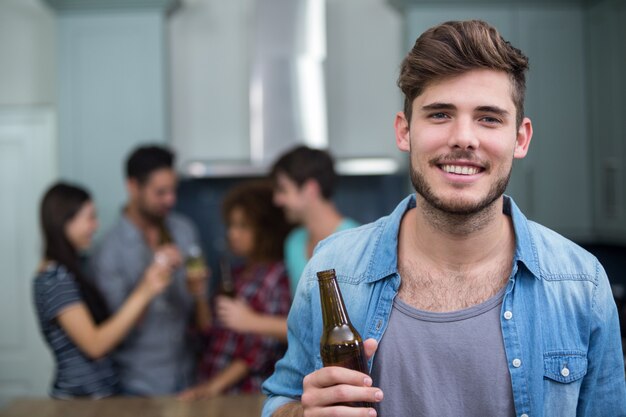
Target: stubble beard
x=457, y=216
x=150, y=216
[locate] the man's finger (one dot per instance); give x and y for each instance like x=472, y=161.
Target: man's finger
x=370, y=346
x=341, y=395
x=334, y=375
x=345, y=411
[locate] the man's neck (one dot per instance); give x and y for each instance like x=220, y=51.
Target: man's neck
x=321, y=220
x=457, y=243
x=148, y=227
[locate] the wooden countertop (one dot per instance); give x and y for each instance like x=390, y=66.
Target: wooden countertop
x=225, y=406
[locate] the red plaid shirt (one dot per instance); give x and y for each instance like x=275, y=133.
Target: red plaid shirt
x=266, y=290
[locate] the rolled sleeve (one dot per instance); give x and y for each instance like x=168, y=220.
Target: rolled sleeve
x=285, y=385
x=273, y=403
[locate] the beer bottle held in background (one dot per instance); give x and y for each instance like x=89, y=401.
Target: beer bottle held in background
x=194, y=261
x=197, y=270
x=227, y=284
x=340, y=345
x=165, y=237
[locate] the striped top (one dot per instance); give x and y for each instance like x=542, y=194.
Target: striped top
x=76, y=375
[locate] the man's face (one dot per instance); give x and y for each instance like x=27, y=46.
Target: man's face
x=462, y=140
x=156, y=197
x=290, y=197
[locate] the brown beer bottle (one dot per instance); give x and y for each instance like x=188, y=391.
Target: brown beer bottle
x=340, y=345
x=227, y=284
x=165, y=237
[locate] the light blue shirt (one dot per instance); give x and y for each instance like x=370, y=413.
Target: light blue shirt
x=296, y=255
x=558, y=318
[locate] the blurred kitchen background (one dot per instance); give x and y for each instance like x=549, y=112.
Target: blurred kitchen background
x=231, y=84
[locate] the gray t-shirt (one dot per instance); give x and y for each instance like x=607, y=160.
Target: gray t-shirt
x=156, y=357
x=444, y=364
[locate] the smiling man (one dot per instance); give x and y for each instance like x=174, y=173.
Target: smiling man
x=468, y=308
x=156, y=358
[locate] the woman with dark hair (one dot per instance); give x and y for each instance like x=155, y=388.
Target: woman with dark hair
x=72, y=315
x=256, y=229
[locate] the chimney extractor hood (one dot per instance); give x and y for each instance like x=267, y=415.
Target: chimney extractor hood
x=287, y=92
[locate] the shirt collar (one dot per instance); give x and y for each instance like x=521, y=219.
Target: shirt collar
x=525, y=250
x=386, y=250
x=130, y=231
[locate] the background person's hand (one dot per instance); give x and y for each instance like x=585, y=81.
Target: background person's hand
x=197, y=281
x=157, y=276
x=235, y=314
x=174, y=257
x=327, y=388
x=199, y=392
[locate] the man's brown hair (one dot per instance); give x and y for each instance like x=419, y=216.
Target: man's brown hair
x=302, y=163
x=453, y=48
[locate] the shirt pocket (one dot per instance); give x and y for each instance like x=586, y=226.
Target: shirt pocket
x=563, y=376
x=564, y=367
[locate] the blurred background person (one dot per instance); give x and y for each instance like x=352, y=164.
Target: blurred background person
x=157, y=357
x=73, y=317
x=256, y=230
x=304, y=183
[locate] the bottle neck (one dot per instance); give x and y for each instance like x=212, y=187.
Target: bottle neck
x=333, y=309
x=164, y=234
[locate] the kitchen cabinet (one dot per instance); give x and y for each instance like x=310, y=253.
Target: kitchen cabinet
x=606, y=63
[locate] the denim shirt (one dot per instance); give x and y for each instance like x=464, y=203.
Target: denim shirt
x=559, y=321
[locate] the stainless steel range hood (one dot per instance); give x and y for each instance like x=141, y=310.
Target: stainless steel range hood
x=287, y=91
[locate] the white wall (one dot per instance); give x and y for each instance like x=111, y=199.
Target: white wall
x=112, y=97
x=27, y=53
x=28, y=164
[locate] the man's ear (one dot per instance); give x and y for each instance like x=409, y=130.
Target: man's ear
x=524, y=135
x=311, y=188
x=401, y=126
x=132, y=187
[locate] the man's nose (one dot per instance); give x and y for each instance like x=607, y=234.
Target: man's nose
x=463, y=134
x=170, y=199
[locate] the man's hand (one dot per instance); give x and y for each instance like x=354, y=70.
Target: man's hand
x=157, y=276
x=325, y=388
x=172, y=254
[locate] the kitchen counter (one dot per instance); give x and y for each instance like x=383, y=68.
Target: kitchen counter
x=224, y=406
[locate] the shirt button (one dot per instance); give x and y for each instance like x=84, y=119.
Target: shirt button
x=565, y=372
x=508, y=315
x=379, y=324
x=517, y=363
x=524, y=415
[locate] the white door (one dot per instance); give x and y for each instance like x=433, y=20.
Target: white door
x=28, y=164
